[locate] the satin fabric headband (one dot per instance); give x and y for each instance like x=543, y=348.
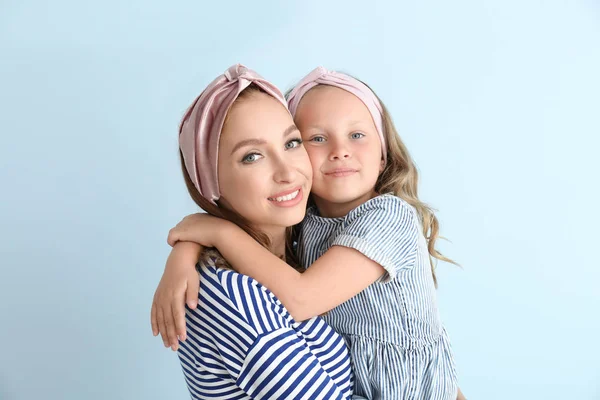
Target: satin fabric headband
x=322, y=76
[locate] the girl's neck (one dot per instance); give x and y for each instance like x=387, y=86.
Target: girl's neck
x=329, y=209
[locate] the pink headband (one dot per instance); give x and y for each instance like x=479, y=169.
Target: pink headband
x=321, y=76
x=201, y=126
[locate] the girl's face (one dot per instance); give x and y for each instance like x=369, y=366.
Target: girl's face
x=264, y=171
x=344, y=148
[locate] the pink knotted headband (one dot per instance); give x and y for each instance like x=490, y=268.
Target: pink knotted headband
x=200, y=128
x=322, y=76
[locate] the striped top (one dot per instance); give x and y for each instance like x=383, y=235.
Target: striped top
x=243, y=344
x=397, y=343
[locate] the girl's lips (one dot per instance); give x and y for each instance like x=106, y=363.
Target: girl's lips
x=340, y=172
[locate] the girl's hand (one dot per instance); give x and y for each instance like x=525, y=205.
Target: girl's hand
x=199, y=228
x=179, y=285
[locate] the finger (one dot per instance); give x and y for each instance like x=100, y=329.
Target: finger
x=153, y=321
x=170, y=322
x=179, y=317
x=171, y=238
x=191, y=293
x=162, y=327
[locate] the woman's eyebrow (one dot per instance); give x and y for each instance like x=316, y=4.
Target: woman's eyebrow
x=247, y=142
x=255, y=142
x=289, y=130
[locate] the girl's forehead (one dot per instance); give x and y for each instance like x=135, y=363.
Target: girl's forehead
x=329, y=102
x=332, y=97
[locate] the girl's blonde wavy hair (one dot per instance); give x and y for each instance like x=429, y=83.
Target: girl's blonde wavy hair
x=401, y=177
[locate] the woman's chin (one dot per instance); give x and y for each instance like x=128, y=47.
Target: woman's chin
x=293, y=218
x=288, y=217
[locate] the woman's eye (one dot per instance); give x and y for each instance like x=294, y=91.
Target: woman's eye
x=251, y=158
x=292, y=144
x=357, y=135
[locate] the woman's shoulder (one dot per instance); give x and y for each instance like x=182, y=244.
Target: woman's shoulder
x=223, y=275
x=241, y=291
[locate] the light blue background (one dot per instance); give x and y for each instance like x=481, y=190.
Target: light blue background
x=498, y=101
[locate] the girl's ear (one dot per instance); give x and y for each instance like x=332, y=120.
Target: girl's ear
x=382, y=166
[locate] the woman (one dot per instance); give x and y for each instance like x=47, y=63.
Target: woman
x=243, y=160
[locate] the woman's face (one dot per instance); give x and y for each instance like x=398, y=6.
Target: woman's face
x=264, y=171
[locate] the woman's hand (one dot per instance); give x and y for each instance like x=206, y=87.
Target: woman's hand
x=199, y=228
x=179, y=285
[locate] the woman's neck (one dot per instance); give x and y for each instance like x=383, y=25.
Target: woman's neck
x=277, y=237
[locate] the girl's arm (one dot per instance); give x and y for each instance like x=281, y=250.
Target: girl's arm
x=340, y=274
x=375, y=243
x=179, y=285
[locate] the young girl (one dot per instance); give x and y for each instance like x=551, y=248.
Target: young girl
x=367, y=242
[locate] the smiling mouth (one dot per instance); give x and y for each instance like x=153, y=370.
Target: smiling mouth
x=287, y=197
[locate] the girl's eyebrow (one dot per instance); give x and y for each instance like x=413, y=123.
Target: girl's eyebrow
x=357, y=122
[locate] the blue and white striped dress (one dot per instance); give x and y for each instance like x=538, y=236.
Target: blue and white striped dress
x=398, y=346
x=243, y=344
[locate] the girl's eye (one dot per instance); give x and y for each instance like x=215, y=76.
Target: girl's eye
x=317, y=139
x=357, y=135
x=251, y=158
x=292, y=144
